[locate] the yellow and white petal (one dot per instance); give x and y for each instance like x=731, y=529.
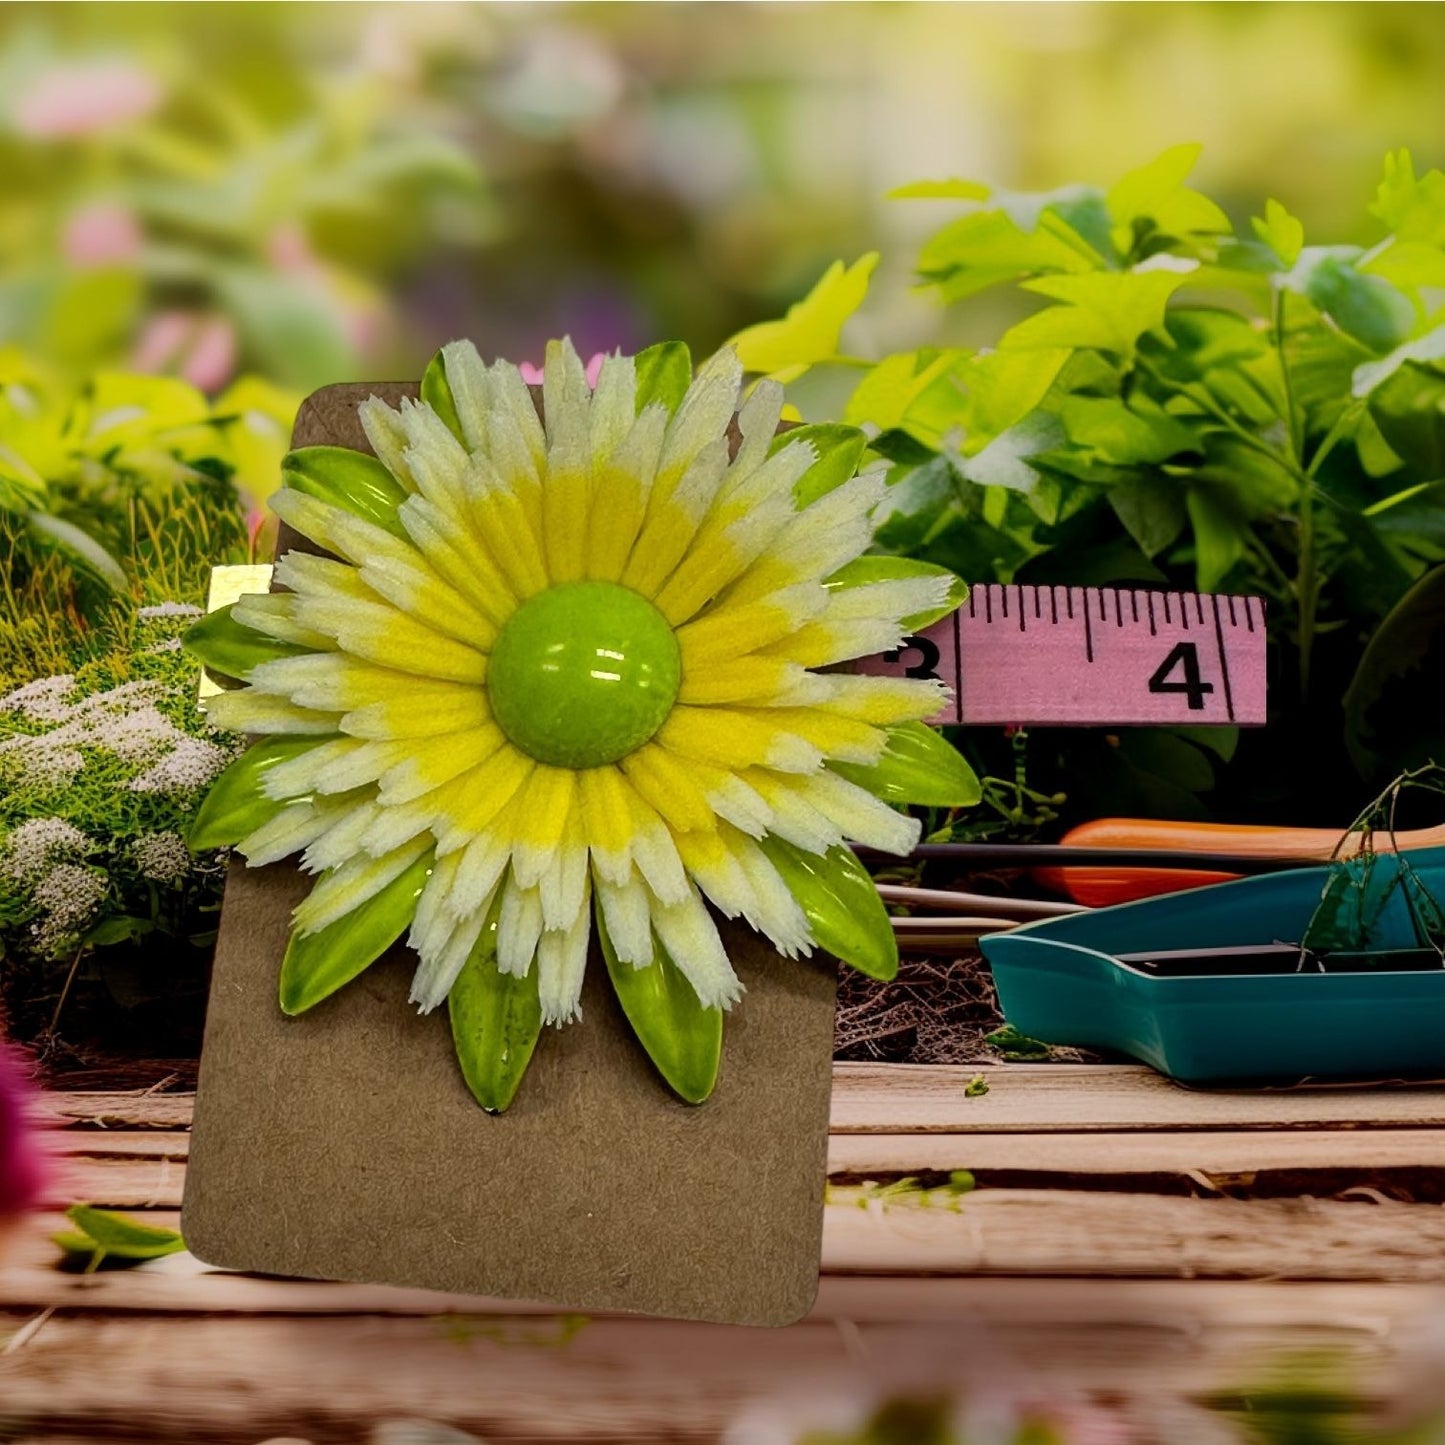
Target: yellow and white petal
x=665, y=782
x=458, y=558
x=245, y=710
x=701, y=418
x=470, y=384
x=892, y=600
x=377, y=632
x=507, y=527
x=779, y=915
x=858, y=815
x=561, y=965
x=627, y=916
x=480, y=867
x=829, y=734
x=335, y=682
x=563, y=884
x=621, y=489
x=790, y=815
x=614, y=407
x=688, y=933
x=359, y=767
x=440, y=965
x=758, y=419
x=342, y=840
x=752, y=679
x=607, y=821
x=398, y=823
x=274, y=615
x=541, y=820
x=310, y=577
x=436, y=459
x=518, y=928
x=300, y=776
x=349, y=886
x=730, y=737
x=427, y=763
x=438, y=709
x=653, y=850
x=286, y=832
x=712, y=865
x=478, y=797
x=821, y=643
x=882, y=701
x=724, y=632
x=672, y=522
x=566, y=492
x=387, y=434
x=514, y=418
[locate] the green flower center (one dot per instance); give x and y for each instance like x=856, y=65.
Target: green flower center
x=583, y=674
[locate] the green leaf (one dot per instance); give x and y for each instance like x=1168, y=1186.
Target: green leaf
x=681, y=1037
x=1015, y=1046
x=982, y=250
x=1152, y=510
x=838, y=897
x=118, y=929
x=1220, y=533
x=234, y=805
x=78, y=546
x=1393, y=720
x=810, y=332
x=354, y=481
x=436, y=391
x=1108, y=310
x=664, y=373
x=920, y=766
x=317, y=964
x=1125, y=434
x=116, y=1235
x=1280, y=231
x=1364, y=306
x=1413, y=209
x=863, y=570
x=1156, y=193
x=1006, y=460
x=838, y=449
x=1370, y=376
x=1409, y=409
x=231, y=648
x=949, y=190
x=888, y=393
x=914, y=505
x=496, y=1020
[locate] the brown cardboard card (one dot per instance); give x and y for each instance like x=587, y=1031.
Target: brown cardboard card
x=344, y=1144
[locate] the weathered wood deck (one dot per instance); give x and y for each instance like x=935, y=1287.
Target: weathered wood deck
x=1127, y=1238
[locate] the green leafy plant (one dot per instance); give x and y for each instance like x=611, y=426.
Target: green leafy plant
x=103, y=1238
x=1186, y=407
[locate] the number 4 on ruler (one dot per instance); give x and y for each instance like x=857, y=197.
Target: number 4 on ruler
x=1093, y=656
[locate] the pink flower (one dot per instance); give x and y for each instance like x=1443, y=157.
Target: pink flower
x=202, y=349
x=103, y=233
x=532, y=375
x=22, y=1172
x=82, y=97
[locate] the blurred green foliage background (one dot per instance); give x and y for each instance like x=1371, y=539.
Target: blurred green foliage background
x=318, y=192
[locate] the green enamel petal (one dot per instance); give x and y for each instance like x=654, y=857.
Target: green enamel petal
x=231, y=648
x=436, y=391
x=839, y=450
x=682, y=1038
x=354, y=481
x=664, y=373
x=919, y=765
x=317, y=964
x=863, y=570
x=234, y=805
x=841, y=903
x=496, y=1019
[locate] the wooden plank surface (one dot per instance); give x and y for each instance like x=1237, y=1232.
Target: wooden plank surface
x=147, y=1170
x=222, y=1379
x=927, y=1098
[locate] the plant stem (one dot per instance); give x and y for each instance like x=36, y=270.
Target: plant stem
x=1307, y=582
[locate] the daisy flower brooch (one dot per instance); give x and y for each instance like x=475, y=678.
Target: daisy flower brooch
x=570, y=665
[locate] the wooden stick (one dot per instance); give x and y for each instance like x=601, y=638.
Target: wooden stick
x=979, y=902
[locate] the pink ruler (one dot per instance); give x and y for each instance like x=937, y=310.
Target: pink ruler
x=1093, y=656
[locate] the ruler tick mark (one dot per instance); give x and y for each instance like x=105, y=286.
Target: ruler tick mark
x=1223, y=658
x=1038, y=603
x=988, y=602
x=1088, y=631
x=1167, y=615
x=1054, y=602
x=1249, y=613
x=1153, y=628
x=1233, y=620
x=1069, y=601
x=1134, y=602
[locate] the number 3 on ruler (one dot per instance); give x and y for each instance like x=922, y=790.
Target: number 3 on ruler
x=1185, y=657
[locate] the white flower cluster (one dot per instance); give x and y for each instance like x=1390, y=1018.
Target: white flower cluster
x=171, y=609
x=124, y=722
x=27, y=851
x=161, y=857
x=68, y=896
